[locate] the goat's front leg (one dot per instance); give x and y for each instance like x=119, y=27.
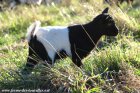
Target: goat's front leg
x=31, y=62
x=29, y=66
x=76, y=60
x=75, y=57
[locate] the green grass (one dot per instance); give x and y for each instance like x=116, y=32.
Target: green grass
x=106, y=69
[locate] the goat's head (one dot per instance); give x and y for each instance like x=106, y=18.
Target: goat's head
x=105, y=23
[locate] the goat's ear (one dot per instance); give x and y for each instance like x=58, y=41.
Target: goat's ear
x=105, y=10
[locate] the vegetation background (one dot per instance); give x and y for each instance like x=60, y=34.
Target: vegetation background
x=112, y=68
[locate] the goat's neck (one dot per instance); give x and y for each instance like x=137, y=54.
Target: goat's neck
x=92, y=31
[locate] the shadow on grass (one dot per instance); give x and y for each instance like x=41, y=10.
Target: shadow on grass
x=38, y=81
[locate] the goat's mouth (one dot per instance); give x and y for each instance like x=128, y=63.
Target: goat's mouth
x=115, y=33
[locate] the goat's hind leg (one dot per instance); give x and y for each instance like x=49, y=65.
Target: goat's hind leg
x=31, y=62
x=29, y=66
x=76, y=60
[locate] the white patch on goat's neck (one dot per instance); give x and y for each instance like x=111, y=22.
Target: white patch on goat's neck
x=54, y=39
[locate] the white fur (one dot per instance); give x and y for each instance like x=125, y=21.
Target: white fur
x=54, y=39
x=32, y=27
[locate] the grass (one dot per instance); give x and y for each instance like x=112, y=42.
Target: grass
x=108, y=69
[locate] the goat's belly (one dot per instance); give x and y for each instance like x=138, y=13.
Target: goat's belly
x=58, y=52
x=61, y=54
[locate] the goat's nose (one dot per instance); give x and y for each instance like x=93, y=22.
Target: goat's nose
x=117, y=29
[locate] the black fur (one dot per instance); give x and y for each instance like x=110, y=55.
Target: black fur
x=81, y=44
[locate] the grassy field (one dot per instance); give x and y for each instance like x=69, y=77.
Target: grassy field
x=112, y=68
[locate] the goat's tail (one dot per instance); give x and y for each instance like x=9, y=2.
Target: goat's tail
x=31, y=31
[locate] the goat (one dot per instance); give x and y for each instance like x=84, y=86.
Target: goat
x=76, y=41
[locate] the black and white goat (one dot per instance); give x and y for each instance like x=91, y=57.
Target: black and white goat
x=55, y=42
